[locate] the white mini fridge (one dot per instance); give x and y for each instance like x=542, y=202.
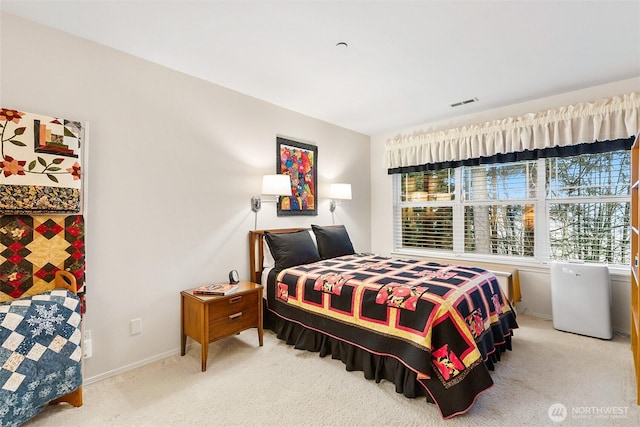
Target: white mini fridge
x=581, y=299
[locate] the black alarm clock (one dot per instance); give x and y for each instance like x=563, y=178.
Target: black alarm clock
x=233, y=276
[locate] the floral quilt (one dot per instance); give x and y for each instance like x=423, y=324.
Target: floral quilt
x=40, y=353
x=40, y=170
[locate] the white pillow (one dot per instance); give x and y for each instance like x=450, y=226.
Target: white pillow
x=267, y=261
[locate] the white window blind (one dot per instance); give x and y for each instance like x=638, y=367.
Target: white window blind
x=498, y=208
x=427, y=210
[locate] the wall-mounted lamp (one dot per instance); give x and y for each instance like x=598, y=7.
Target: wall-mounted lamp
x=338, y=192
x=272, y=185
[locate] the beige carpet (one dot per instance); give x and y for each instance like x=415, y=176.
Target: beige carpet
x=278, y=386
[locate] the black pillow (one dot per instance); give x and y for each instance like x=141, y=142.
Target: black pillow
x=333, y=241
x=291, y=249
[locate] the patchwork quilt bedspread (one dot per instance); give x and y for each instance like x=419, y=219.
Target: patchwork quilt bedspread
x=40, y=353
x=441, y=321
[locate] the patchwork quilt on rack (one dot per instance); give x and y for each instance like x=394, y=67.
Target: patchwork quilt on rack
x=34, y=247
x=40, y=353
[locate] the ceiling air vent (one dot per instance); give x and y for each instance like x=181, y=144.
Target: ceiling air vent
x=468, y=101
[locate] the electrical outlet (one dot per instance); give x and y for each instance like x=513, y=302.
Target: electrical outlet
x=86, y=345
x=136, y=326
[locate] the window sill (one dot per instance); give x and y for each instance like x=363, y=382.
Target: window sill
x=525, y=265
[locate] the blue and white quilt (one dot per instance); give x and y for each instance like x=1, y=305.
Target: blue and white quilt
x=40, y=353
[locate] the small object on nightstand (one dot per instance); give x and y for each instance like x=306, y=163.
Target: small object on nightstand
x=234, y=277
x=216, y=289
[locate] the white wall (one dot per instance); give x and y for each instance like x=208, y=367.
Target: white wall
x=535, y=283
x=173, y=164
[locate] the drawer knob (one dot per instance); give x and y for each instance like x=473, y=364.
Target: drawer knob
x=235, y=316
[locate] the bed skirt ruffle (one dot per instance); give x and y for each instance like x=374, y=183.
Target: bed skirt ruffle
x=374, y=367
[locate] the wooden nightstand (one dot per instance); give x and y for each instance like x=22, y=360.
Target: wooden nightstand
x=206, y=318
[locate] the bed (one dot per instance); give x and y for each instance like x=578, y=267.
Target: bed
x=40, y=351
x=434, y=330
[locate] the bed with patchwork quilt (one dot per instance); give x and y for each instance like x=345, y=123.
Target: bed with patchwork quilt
x=434, y=330
x=40, y=352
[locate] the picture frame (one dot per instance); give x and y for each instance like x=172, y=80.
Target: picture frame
x=300, y=162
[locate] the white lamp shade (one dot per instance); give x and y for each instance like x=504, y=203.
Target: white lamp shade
x=340, y=191
x=276, y=185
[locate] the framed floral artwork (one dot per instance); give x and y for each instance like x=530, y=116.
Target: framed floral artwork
x=300, y=162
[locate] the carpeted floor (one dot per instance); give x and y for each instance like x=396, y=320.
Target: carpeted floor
x=278, y=386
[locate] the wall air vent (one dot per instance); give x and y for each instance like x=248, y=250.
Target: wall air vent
x=468, y=101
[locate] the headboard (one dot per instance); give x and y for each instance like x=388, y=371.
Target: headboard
x=256, y=250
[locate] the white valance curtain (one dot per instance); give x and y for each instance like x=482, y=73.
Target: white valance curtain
x=602, y=120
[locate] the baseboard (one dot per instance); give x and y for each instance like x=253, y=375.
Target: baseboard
x=123, y=369
x=521, y=308
x=526, y=311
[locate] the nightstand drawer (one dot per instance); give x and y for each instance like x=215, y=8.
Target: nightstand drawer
x=231, y=304
x=234, y=322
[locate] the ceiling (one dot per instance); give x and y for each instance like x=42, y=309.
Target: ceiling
x=405, y=63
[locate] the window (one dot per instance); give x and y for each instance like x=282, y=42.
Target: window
x=427, y=211
x=588, y=207
x=572, y=208
x=498, y=208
